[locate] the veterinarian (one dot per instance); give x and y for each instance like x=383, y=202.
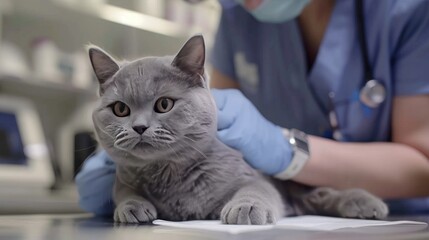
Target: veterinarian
x=332, y=93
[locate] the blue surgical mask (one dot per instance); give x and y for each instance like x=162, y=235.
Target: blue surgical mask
x=277, y=11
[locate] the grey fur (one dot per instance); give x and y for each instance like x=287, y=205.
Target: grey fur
x=177, y=169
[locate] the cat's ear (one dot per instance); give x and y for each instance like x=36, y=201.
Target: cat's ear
x=192, y=56
x=103, y=64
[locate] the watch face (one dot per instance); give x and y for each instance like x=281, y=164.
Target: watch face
x=301, y=144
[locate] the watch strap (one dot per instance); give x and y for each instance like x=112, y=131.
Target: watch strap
x=300, y=156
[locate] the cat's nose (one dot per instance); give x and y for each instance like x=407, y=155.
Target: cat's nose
x=140, y=129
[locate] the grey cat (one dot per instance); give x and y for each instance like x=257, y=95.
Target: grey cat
x=157, y=120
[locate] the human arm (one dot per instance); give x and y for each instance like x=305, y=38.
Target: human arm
x=95, y=184
x=400, y=168
x=397, y=169
x=377, y=167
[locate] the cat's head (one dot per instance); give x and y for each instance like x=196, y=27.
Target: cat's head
x=154, y=106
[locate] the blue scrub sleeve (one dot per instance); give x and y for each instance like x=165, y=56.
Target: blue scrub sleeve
x=411, y=57
x=221, y=56
x=409, y=206
x=95, y=184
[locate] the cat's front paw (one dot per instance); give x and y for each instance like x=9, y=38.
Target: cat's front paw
x=357, y=203
x=135, y=211
x=247, y=212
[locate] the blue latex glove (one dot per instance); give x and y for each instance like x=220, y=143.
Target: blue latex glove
x=241, y=126
x=95, y=184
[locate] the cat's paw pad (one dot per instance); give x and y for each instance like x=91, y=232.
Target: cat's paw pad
x=135, y=211
x=246, y=213
x=358, y=203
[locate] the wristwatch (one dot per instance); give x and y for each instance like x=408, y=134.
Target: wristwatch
x=300, y=153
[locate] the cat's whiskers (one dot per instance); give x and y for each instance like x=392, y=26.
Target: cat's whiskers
x=105, y=132
x=164, y=141
x=172, y=149
x=193, y=140
x=196, y=149
x=162, y=136
x=121, y=134
x=163, y=131
x=125, y=142
x=117, y=130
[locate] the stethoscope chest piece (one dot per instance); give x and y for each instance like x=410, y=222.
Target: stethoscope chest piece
x=373, y=93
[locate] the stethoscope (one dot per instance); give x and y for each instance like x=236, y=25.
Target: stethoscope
x=372, y=93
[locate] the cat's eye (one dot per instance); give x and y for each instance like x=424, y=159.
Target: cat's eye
x=120, y=109
x=164, y=105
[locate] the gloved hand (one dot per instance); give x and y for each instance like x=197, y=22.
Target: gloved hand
x=241, y=126
x=95, y=184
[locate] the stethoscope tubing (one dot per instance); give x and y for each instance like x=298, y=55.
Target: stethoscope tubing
x=372, y=93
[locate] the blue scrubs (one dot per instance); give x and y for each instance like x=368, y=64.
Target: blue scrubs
x=269, y=62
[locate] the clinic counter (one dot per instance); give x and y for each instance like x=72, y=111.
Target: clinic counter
x=85, y=226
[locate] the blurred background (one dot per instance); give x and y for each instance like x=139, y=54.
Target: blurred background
x=47, y=88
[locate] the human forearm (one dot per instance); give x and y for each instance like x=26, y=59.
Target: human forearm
x=389, y=170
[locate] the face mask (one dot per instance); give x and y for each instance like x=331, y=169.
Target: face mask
x=277, y=11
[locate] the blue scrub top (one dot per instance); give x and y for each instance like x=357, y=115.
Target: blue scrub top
x=269, y=62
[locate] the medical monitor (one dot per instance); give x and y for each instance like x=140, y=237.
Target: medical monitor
x=24, y=157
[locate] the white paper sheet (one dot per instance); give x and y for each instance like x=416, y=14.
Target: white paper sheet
x=302, y=222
